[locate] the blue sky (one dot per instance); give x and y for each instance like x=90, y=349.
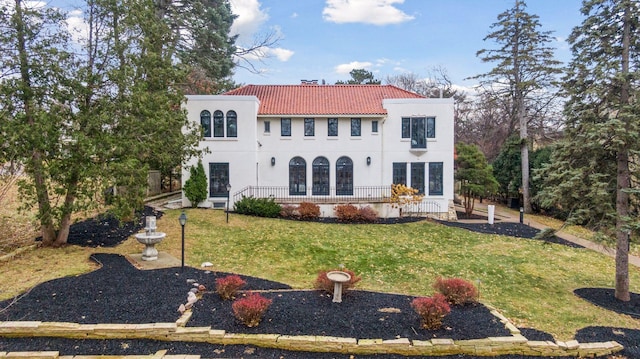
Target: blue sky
x=325, y=39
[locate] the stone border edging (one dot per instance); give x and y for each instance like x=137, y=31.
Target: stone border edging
x=492, y=346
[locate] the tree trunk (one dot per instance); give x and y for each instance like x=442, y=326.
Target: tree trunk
x=622, y=238
x=34, y=165
x=623, y=176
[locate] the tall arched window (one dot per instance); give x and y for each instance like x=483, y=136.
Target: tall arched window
x=344, y=176
x=320, y=176
x=232, y=124
x=205, y=122
x=297, y=176
x=218, y=124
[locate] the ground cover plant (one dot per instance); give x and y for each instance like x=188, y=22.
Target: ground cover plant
x=512, y=274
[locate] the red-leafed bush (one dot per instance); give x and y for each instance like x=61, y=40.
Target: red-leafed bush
x=308, y=210
x=349, y=213
x=227, y=287
x=431, y=310
x=346, y=212
x=289, y=211
x=457, y=291
x=367, y=214
x=323, y=283
x=250, y=309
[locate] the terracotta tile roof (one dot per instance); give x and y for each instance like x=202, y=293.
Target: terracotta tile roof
x=322, y=99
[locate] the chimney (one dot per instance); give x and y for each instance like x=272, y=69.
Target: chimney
x=309, y=82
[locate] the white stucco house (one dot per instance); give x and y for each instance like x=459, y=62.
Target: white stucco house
x=326, y=144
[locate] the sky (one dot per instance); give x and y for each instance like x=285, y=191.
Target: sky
x=326, y=39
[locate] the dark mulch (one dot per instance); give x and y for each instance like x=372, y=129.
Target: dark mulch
x=362, y=314
x=512, y=229
x=106, y=230
x=120, y=293
x=475, y=216
x=629, y=338
x=605, y=298
x=116, y=293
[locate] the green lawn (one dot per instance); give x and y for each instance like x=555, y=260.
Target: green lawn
x=528, y=281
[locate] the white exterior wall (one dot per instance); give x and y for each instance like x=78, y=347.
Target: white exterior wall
x=284, y=148
x=240, y=152
x=439, y=149
x=249, y=155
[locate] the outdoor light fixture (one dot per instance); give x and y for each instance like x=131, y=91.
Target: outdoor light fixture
x=368, y=161
x=228, y=190
x=273, y=161
x=183, y=221
x=521, y=215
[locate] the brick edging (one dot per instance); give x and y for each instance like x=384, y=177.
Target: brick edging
x=492, y=346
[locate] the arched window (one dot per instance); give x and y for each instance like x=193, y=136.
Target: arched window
x=344, y=176
x=205, y=122
x=297, y=176
x=218, y=124
x=320, y=176
x=232, y=124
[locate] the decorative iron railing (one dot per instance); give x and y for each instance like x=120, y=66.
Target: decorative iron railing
x=283, y=194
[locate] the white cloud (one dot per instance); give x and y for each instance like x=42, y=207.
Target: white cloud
x=263, y=52
x=250, y=17
x=346, y=68
x=561, y=42
x=78, y=28
x=294, y=15
x=376, y=12
x=280, y=53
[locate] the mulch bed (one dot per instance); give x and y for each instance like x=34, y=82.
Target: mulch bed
x=120, y=293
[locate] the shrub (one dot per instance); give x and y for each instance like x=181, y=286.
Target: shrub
x=349, y=213
x=324, y=284
x=195, y=187
x=457, y=291
x=309, y=210
x=251, y=309
x=261, y=207
x=367, y=214
x=346, y=212
x=227, y=287
x=431, y=310
x=289, y=211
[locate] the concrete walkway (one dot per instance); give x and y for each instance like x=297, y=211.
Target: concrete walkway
x=503, y=214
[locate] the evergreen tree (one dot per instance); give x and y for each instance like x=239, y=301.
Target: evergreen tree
x=593, y=171
x=195, y=187
x=525, y=69
x=91, y=113
x=474, y=174
x=360, y=77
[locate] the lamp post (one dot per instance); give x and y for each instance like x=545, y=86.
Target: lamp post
x=228, y=190
x=183, y=221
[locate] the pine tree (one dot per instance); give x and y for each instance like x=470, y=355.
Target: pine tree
x=195, y=187
x=525, y=69
x=474, y=174
x=592, y=171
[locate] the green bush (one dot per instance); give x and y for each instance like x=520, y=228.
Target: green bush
x=195, y=188
x=261, y=207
